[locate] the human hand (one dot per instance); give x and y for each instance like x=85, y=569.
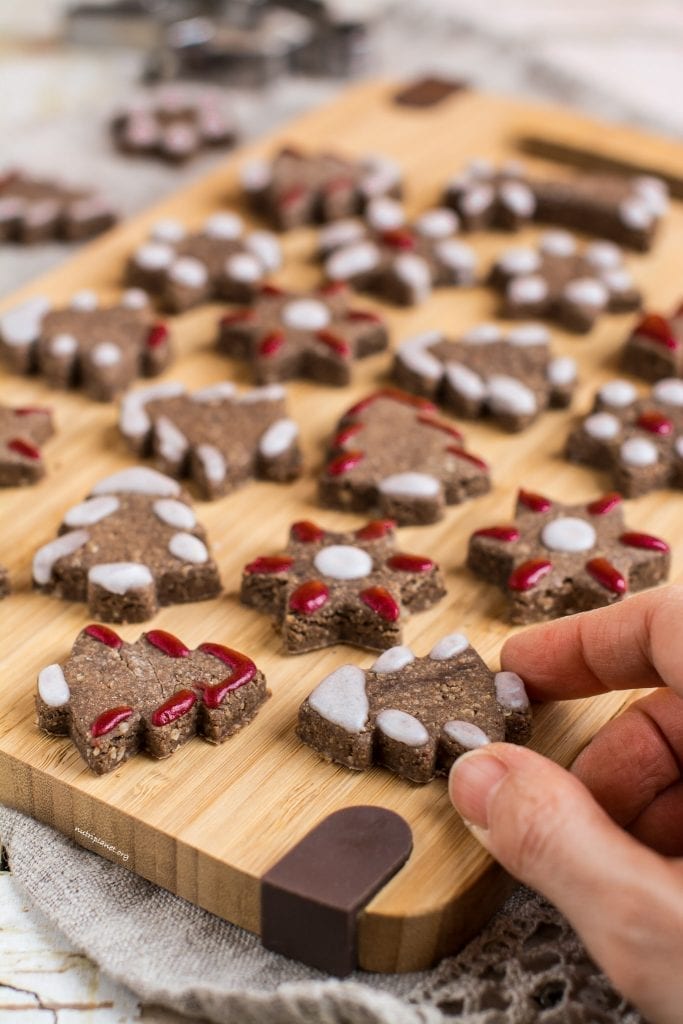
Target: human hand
x=600, y=842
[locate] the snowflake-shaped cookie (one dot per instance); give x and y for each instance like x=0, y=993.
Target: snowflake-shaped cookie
x=310, y=188
x=508, y=375
x=414, y=715
x=100, y=349
x=391, y=454
x=219, y=261
x=22, y=431
x=115, y=699
x=638, y=440
x=36, y=210
x=560, y=282
x=399, y=262
x=317, y=335
x=215, y=436
x=133, y=545
x=330, y=588
x=654, y=349
x=557, y=559
x=174, y=124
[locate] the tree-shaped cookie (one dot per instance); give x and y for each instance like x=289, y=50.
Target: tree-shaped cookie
x=288, y=334
x=330, y=588
x=174, y=124
x=221, y=260
x=309, y=188
x=216, y=437
x=115, y=699
x=100, y=349
x=391, y=454
x=510, y=375
x=396, y=261
x=38, y=210
x=22, y=432
x=638, y=440
x=559, y=281
x=133, y=545
x=654, y=348
x=555, y=559
x=414, y=715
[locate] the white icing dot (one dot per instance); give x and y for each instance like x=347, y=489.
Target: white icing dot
x=527, y=289
x=458, y=256
x=189, y=272
x=168, y=230
x=306, y=315
x=175, y=513
x=222, y=391
x=414, y=271
x=617, y=280
x=480, y=167
x=120, y=577
x=562, y=371
x=410, y=485
x=341, y=698
x=603, y=426
x=669, y=391
x=342, y=232
x=586, y=291
x=603, y=255
x=135, y=298
x=255, y=175
x=639, y=452
x=528, y=334
x=510, y=691
x=678, y=445
x=636, y=213
x=352, y=260
x=268, y=393
x=414, y=354
x=138, y=480
x=465, y=381
x=466, y=734
x=133, y=419
x=343, y=562
x=171, y=443
x=654, y=192
x=188, y=548
x=91, y=511
x=106, y=354
x=437, y=223
x=213, y=463
x=518, y=197
x=266, y=248
x=568, y=533
x=21, y=325
x=384, y=214
x=86, y=299
x=180, y=138
x=53, y=688
x=62, y=345
x=449, y=647
x=393, y=660
x=154, y=256
x=618, y=393
x=45, y=557
x=482, y=334
x=223, y=225
x=519, y=261
x=42, y=211
x=476, y=199
x=402, y=727
x=509, y=395
x=382, y=175
x=11, y=207
x=278, y=438
x=557, y=243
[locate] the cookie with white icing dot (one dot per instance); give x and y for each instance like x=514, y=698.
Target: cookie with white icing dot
x=22, y=432
x=40, y=210
x=654, y=348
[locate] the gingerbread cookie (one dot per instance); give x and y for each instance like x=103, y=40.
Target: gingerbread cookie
x=638, y=440
x=316, y=335
x=115, y=699
x=132, y=546
x=391, y=454
x=100, y=349
x=220, y=261
x=508, y=375
x=298, y=188
x=330, y=588
x=654, y=349
x=398, y=262
x=174, y=124
x=557, y=559
x=216, y=437
x=624, y=209
x=559, y=281
x=38, y=210
x=22, y=431
x=414, y=716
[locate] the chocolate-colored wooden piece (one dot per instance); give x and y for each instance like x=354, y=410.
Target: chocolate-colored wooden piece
x=429, y=91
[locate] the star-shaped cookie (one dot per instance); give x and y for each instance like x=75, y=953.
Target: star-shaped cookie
x=22, y=431
x=38, y=210
x=654, y=348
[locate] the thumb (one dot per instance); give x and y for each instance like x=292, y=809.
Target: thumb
x=625, y=901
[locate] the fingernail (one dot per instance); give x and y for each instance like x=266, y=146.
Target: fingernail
x=474, y=778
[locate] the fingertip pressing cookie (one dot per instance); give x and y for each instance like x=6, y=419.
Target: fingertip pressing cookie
x=116, y=699
x=132, y=546
x=554, y=559
x=509, y=375
x=22, y=431
x=654, y=348
x=329, y=588
x=39, y=210
x=174, y=124
x=414, y=715
x=216, y=436
x=391, y=454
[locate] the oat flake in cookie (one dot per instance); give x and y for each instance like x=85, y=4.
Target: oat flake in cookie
x=554, y=559
x=217, y=437
x=116, y=699
x=132, y=546
x=654, y=348
x=98, y=349
x=414, y=715
x=330, y=588
x=40, y=210
x=509, y=375
x=391, y=454
x=22, y=432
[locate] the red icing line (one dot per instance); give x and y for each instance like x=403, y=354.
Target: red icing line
x=609, y=577
x=269, y=564
x=174, y=708
x=535, y=502
x=157, y=335
x=292, y=195
x=306, y=531
x=108, y=720
x=334, y=342
x=272, y=343
x=381, y=602
x=601, y=506
x=429, y=421
x=334, y=288
x=645, y=541
x=395, y=395
x=271, y=289
x=529, y=574
x=376, y=529
x=343, y=463
x=506, y=533
x=243, y=671
x=168, y=643
x=104, y=634
x=654, y=422
x=25, y=448
x=460, y=453
x=345, y=434
x=363, y=316
x=399, y=238
x=404, y=562
x=309, y=597
x=657, y=328
x=31, y=410
x=240, y=316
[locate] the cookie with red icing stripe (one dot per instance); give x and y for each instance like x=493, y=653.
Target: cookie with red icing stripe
x=554, y=559
x=330, y=588
x=22, y=431
x=654, y=348
x=115, y=699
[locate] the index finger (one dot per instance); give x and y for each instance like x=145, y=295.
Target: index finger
x=637, y=643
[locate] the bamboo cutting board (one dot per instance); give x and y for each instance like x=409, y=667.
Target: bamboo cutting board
x=209, y=822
